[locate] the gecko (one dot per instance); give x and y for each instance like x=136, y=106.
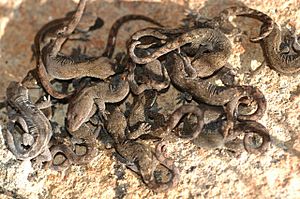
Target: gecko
x=82, y=106
x=202, y=90
x=211, y=136
x=36, y=127
x=276, y=59
x=191, y=40
x=138, y=156
x=165, y=129
x=63, y=67
x=143, y=110
x=270, y=39
x=83, y=137
x=223, y=16
x=153, y=76
x=46, y=34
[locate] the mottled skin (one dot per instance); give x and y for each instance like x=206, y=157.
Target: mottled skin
x=219, y=20
x=192, y=39
x=153, y=76
x=82, y=106
x=212, y=133
x=111, y=41
x=142, y=110
x=84, y=137
x=119, y=130
x=54, y=65
x=139, y=157
x=36, y=127
x=276, y=59
x=202, y=90
x=176, y=116
x=62, y=28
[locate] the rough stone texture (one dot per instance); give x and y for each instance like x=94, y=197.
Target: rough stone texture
x=204, y=173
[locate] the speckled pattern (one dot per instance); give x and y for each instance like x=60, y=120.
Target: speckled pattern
x=204, y=173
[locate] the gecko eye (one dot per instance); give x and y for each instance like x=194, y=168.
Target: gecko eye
x=75, y=117
x=60, y=33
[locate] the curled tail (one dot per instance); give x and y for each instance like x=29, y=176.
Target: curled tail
x=111, y=42
x=258, y=97
x=249, y=127
x=66, y=152
x=160, y=153
x=268, y=23
x=176, y=116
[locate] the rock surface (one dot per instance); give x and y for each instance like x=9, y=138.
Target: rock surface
x=204, y=173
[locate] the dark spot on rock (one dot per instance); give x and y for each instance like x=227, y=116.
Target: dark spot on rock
x=191, y=169
x=119, y=171
x=121, y=191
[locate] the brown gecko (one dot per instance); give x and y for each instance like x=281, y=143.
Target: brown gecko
x=190, y=40
x=211, y=136
x=270, y=39
x=222, y=17
x=164, y=131
x=276, y=59
x=63, y=67
x=46, y=34
x=142, y=110
x=153, y=76
x=204, y=91
x=83, y=137
x=138, y=156
x=82, y=106
x=37, y=130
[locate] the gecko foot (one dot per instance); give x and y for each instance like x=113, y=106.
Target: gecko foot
x=184, y=98
x=45, y=103
x=143, y=129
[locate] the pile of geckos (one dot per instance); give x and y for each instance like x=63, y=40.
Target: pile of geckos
x=189, y=59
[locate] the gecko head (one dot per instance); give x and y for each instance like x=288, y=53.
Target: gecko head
x=15, y=89
x=74, y=121
x=78, y=113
